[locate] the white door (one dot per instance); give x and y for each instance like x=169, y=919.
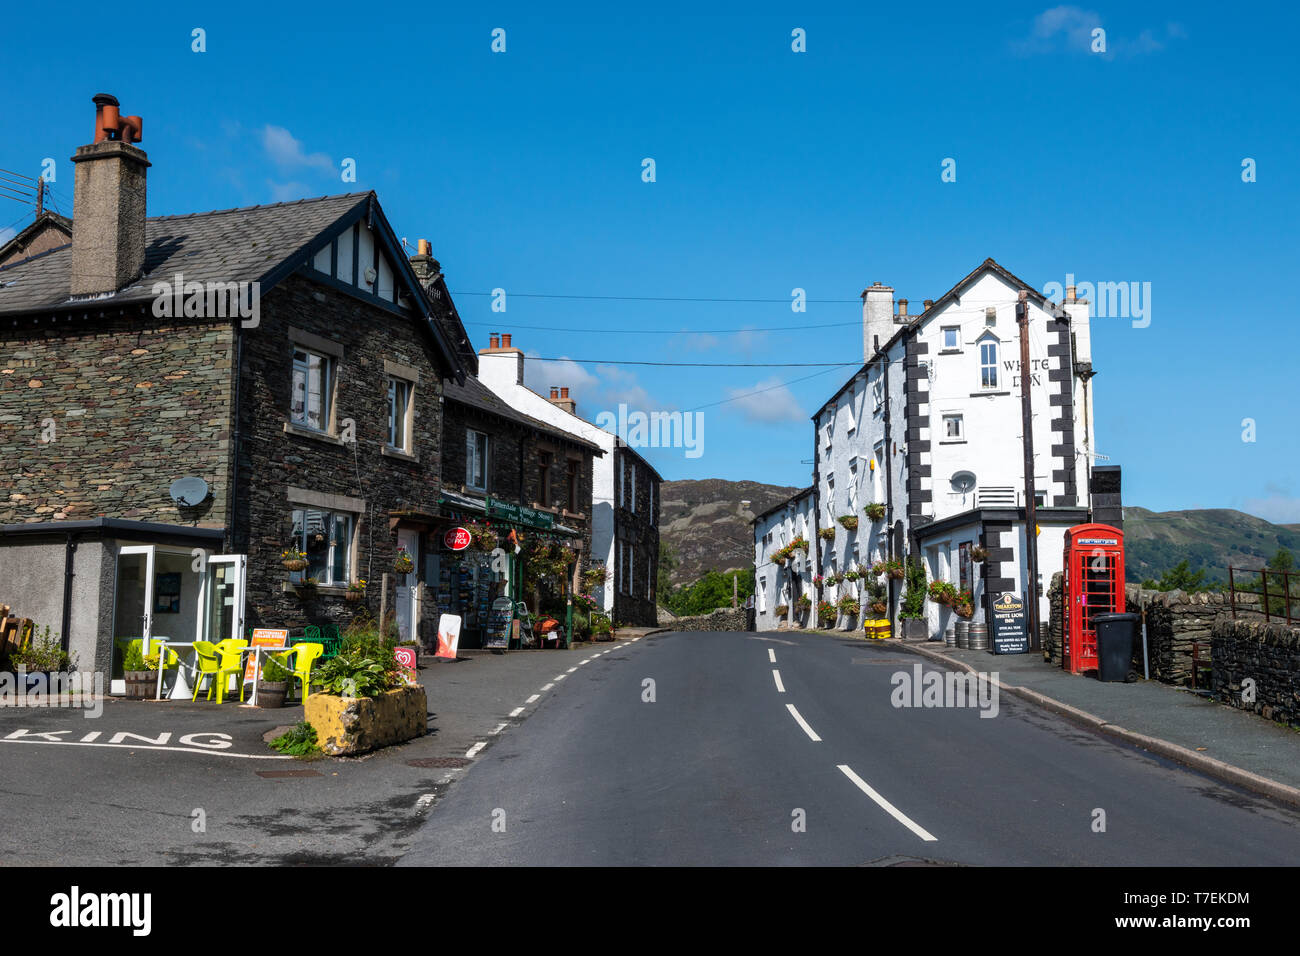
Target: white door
x=132, y=603
x=222, y=597
x=407, y=604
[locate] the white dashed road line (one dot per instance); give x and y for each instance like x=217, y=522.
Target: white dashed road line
x=888, y=807
x=516, y=712
x=776, y=676
x=546, y=687
x=533, y=699
x=803, y=723
x=771, y=655
x=473, y=751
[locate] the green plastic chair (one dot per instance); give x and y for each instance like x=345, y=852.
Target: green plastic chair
x=299, y=661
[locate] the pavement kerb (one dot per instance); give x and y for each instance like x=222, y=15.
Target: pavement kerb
x=1176, y=752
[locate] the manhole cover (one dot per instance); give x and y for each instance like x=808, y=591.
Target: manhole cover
x=440, y=762
x=278, y=774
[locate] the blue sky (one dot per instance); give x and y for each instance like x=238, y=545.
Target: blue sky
x=774, y=170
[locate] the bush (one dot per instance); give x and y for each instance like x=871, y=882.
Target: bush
x=914, y=596
x=600, y=624
x=365, y=665
x=273, y=672
x=133, y=659
x=45, y=653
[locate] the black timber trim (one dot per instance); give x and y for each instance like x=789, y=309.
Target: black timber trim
x=916, y=393
x=1063, y=450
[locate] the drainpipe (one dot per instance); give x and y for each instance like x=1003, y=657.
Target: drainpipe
x=233, y=483
x=70, y=549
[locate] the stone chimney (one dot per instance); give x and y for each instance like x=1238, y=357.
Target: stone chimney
x=426, y=268
x=877, y=318
x=500, y=364
x=560, y=398
x=1077, y=309
x=108, y=209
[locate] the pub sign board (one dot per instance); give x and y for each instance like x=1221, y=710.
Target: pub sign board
x=1008, y=632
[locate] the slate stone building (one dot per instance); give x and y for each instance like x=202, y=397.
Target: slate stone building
x=286, y=356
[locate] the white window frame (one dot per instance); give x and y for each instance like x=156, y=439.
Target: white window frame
x=956, y=338
x=947, y=417
x=398, y=386
x=331, y=514
x=987, y=380
x=327, y=373
x=473, y=454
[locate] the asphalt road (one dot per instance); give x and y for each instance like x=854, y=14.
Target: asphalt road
x=722, y=768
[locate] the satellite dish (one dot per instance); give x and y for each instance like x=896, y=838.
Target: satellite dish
x=963, y=482
x=189, y=491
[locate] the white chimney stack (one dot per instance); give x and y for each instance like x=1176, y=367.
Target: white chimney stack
x=877, y=318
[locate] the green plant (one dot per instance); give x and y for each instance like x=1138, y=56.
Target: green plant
x=298, y=741
x=826, y=534
x=914, y=597
x=44, y=653
x=826, y=612
x=804, y=603
x=801, y=543
x=600, y=624
x=273, y=672
x=364, y=666
x=875, y=510
x=133, y=659
x=781, y=610
x=849, y=521
x=848, y=605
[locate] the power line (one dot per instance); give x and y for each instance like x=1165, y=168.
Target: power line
x=758, y=391
x=648, y=298
x=577, y=361
x=604, y=331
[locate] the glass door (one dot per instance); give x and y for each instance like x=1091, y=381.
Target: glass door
x=132, y=606
x=222, y=601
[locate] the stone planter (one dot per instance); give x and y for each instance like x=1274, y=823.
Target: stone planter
x=347, y=725
x=271, y=693
x=140, y=685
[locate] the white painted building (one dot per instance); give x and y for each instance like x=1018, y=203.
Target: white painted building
x=931, y=427
x=780, y=584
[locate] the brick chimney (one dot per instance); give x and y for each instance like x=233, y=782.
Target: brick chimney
x=108, y=209
x=877, y=318
x=562, y=400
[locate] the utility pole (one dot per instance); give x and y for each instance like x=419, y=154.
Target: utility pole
x=1031, y=512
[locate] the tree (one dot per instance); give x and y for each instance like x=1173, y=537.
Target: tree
x=1181, y=578
x=710, y=592
x=668, y=563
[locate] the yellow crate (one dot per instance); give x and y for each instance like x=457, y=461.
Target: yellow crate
x=877, y=629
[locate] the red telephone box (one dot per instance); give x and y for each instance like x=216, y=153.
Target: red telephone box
x=1094, y=584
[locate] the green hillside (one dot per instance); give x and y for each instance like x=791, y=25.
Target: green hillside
x=1210, y=538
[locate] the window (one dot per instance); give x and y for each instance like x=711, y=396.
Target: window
x=400, y=392
x=544, y=459
x=313, y=382
x=653, y=486
x=952, y=428
x=619, y=502
x=631, y=492
x=951, y=338
x=326, y=538
x=988, y=364
x=575, y=466
x=476, y=460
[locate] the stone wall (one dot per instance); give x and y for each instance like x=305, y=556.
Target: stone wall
x=723, y=619
x=635, y=602
x=100, y=416
x=1256, y=666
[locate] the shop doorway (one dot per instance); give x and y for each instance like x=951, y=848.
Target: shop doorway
x=166, y=593
x=407, y=597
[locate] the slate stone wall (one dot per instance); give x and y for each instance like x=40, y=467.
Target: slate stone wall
x=1256, y=667
x=723, y=619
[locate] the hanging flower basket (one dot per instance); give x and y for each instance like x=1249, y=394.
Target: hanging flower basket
x=964, y=610
x=356, y=591
x=979, y=554
x=879, y=607
x=826, y=534
x=826, y=613
x=781, y=610
x=851, y=575
x=895, y=570
x=849, y=521
x=804, y=603
x=403, y=564
x=875, y=511
x=293, y=559
x=849, y=606
x=801, y=544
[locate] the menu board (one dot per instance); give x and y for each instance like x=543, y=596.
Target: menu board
x=1008, y=632
x=497, y=632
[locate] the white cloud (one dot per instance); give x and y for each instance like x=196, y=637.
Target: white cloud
x=769, y=402
x=287, y=152
x=540, y=376
x=6, y=234
x=1277, y=508
x=1070, y=29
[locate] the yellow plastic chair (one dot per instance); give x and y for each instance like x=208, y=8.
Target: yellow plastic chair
x=299, y=661
x=219, y=661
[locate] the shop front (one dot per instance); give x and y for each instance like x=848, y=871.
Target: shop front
x=489, y=549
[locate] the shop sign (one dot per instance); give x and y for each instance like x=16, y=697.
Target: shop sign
x=457, y=539
x=1009, y=635
x=406, y=657
x=448, y=636
x=263, y=637
x=497, y=633
x=518, y=514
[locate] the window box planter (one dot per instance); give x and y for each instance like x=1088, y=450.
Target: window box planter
x=355, y=725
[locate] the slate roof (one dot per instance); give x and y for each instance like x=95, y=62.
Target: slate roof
x=230, y=245
x=475, y=394
x=783, y=503
x=47, y=221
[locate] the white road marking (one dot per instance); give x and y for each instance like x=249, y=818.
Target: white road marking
x=776, y=676
x=500, y=728
x=803, y=723
x=533, y=699
x=774, y=640
x=571, y=670
x=547, y=686
x=885, y=805
x=424, y=802
x=141, y=747
x=585, y=660
x=516, y=712
x=561, y=677
x=473, y=751
x=771, y=655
